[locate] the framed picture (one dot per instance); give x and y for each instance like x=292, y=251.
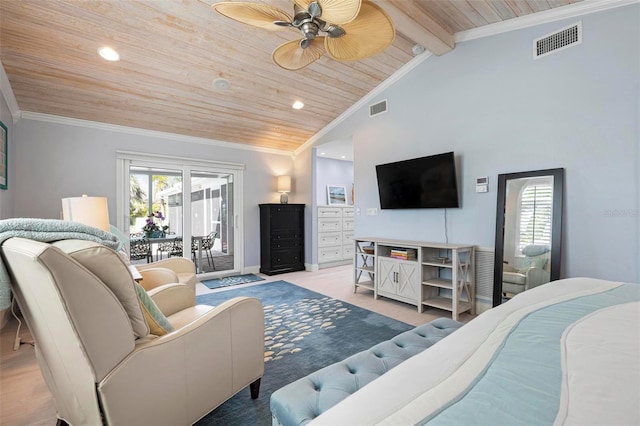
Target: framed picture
x=4, y=141
x=337, y=195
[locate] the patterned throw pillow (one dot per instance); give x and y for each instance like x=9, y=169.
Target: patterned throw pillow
x=158, y=323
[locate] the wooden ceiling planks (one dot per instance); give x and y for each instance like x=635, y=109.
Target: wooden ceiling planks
x=173, y=50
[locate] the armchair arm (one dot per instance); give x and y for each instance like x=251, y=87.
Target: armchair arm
x=177, y=264
x=185, y=374
x=154, y=277
x=536, y=277
x=508, y=268
x=172, y=298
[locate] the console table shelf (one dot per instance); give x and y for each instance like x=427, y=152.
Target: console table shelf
x=424, y=274
x=364, y=265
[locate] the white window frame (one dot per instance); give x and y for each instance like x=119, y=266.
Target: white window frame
x=125, y=159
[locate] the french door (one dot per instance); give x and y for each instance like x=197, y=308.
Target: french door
x=194, y=208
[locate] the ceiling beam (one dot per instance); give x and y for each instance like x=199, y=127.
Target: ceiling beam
x=412, y=21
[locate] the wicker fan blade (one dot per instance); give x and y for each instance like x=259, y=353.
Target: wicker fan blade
x=370, y=33
x=334, y=11
x=291, y=56
x=256, y=14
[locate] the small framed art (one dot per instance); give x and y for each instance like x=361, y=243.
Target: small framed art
x=4, y=163
x=336, y=195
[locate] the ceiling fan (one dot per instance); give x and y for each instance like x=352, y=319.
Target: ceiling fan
x=347, y=30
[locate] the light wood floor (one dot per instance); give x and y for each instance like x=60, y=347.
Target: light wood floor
x=25, y=399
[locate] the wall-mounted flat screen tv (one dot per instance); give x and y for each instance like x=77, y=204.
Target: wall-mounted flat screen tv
x=420, y=183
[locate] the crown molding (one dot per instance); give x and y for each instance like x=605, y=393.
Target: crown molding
x=564, y=12
x=405, y=69
x=8, y=95
x=56, y=119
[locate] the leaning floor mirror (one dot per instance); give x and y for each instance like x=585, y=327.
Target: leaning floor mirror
x=528, y=231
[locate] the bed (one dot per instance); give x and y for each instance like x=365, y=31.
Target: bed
x=567, y=352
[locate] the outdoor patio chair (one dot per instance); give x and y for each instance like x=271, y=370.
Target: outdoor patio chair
x=140, y=249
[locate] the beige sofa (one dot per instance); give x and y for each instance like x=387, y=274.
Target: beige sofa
x=95, y=350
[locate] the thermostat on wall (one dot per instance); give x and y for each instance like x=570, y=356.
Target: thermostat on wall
x=482, y=184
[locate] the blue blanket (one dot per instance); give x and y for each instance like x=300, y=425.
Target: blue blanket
x=522, y=384
x=46, y=230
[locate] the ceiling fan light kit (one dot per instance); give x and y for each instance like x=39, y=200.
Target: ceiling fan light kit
x=347, y=30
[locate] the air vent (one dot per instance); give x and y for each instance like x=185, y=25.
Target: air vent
x=378, y=108
x=484, y=272
x=559, y=40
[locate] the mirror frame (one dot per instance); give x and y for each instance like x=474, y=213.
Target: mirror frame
x=556, y=225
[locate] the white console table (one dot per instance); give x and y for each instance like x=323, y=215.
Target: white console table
x=436, y=275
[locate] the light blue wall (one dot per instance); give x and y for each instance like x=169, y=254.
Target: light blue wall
x=332, y=172
x=7, y=196
x=501, y=111
x=58, y=160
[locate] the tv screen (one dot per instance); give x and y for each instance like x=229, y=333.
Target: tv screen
x=420, y=183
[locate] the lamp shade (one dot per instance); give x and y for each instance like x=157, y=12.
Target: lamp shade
x=91, y=211
x=284, y=183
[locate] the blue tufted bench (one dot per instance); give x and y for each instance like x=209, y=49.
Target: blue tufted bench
x=305, y=399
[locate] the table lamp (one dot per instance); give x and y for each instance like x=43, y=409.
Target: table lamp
x=92, y=211
x=284, y=186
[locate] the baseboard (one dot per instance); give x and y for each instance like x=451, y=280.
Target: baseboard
x=251, y=269
x=311, y=267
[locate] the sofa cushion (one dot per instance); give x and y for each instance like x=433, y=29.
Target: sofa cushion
x=110, y=268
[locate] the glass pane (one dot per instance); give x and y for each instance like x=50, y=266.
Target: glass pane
x=212, y=221
x=155, y=213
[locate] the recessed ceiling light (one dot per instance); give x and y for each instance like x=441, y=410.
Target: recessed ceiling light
x=221, y=84
x=109, y=54
x=297, y=105
x=343, y=157
x=322, y=153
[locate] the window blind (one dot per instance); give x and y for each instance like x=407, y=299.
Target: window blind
x=536, y=202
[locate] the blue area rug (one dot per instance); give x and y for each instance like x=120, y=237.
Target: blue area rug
x=229, y=281
x=304, y=331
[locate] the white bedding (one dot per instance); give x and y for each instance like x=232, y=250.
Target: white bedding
x=563, y=353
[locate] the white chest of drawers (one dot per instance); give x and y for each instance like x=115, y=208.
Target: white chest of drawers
x=335, y=235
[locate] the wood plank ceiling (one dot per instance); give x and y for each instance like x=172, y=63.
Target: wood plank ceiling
x=172, y=51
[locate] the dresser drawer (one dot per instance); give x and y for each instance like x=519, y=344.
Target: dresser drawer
x=326, y=239
x=286, y=243
x=329, y=254
x=329, y=212
x=286, y=234
x=347, y=251
x=348, y=224
x=347, y=238
x=284, y=258
x=348, y=212
x=325, y=225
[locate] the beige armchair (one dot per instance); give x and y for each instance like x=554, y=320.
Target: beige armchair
x=95, y=351
x=533, y=272
x=173, y=270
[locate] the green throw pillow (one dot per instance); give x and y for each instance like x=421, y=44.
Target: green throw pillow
x=158, y=323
